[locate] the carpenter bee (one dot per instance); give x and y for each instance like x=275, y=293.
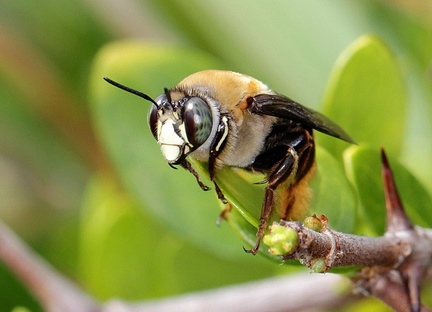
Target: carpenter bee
x=225, y=118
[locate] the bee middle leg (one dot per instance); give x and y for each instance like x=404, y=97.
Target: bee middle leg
x=224, y=214
x=279, y=173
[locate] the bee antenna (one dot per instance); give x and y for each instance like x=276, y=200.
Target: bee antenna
x=140, y=94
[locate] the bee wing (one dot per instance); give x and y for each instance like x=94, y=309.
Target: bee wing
x=283, y=107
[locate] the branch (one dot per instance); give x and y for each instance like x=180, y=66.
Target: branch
x=395, y=263
x=54, y=292
x=340, y=249
x=57, y=294
x=288, y=294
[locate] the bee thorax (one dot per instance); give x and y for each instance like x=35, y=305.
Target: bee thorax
x=245, y=143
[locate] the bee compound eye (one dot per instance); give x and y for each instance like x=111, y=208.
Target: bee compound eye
x=153, y=118
x=197, y=117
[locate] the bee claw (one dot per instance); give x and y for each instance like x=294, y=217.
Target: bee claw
x=254, y=250
x=262, y=182
x=223, y=214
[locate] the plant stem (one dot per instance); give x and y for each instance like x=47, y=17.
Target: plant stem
x=53, y=291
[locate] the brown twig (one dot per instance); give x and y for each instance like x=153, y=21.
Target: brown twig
x=297, y=292
x=395, y=264
x=53, y=291
x=57, y=294
x=340, y=249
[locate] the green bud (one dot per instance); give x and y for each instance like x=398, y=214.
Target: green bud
x=281, y=240
x=313, y=223
x=318, y=265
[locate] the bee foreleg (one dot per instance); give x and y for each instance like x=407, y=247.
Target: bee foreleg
x=186, y=165
x=216, y=147
x=279, y=174
x=219, y=193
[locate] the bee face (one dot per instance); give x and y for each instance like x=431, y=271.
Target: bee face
x=180, y=127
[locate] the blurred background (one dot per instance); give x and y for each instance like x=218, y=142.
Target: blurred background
x=58, y=188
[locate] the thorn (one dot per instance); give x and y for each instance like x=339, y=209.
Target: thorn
x=411, y=276
x=389, y=287
x=411, y=270
x=397, y=218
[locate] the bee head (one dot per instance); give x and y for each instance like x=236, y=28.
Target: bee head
x=179, y=126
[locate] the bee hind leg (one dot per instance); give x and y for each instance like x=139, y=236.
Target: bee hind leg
x=278, y=174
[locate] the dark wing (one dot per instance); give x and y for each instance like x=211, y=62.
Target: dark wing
x=283, y=107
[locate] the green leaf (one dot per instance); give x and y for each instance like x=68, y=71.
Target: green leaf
x=15, y=293
x=126, y=253
x=114, y=241
x=240, y=190
x=284, y=43
x=333, y=195
x=30, y=141
x=366, y=96
x=363, y=167
x=246, y=199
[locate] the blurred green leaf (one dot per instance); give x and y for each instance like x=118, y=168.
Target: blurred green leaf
x=370, y=304
x=64, y=32
x=115, y=240
x=30, y=141
x=239, y=189
x=410, y=28
x=333, y=195
x=126, y=253
x=364, y=171
x=366, y=96
x=283, y=43
x=20, y=309
x=14, y=293
x=363, y=167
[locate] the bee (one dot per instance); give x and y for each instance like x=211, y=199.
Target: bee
x=225, y=118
